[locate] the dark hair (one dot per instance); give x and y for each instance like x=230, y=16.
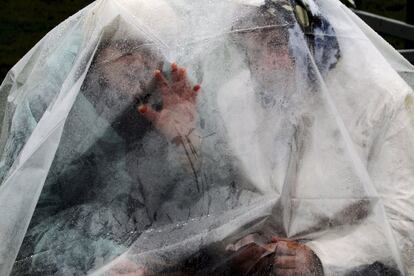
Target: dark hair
x=319, y=34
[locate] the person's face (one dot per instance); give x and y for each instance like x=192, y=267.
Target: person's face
x=128, y=70
x=268, y=54
x=270, y=63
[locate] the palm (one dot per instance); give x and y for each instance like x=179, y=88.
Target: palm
x=279, y=257
x=176, y=120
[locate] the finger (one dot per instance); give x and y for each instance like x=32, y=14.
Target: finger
x=142, y=109
x=190, y=94
x=174, y=71
x=174, y=67
x=286, y=262
x=180, y=74
x=276, y=239
x=288, y=248
x=194, y=92
x=158, y=75
x=264, y=266
x=179, y=86
x=270, y=247
x=197, y=88
x=251, y=251
x=148, y=113
x=247, y=240
x=177, y=73
x=160, y=80
x=245, y=258
x=161, y=83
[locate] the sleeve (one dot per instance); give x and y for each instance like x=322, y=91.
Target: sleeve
x=384, y=237
x=391, y=168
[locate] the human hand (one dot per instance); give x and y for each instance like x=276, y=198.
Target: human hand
x=293, y=258
x=279, y=257
x=176, y=120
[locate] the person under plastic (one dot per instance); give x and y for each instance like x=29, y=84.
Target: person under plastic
x=256, y=173
x=90, y=210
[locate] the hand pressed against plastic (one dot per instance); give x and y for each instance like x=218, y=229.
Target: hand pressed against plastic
x=177, y=118
x=134, y=72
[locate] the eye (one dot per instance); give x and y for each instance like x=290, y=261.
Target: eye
x=278, y=44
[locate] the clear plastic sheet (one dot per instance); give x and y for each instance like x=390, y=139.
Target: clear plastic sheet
x=208, y=138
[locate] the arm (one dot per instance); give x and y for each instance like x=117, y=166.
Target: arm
x=392, y=171
x=391, y=168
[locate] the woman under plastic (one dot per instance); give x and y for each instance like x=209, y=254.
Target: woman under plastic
x=265, y=170
x=116, y=173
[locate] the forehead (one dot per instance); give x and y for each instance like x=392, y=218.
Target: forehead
x=265, y=33
x=263, y=24
x=271, y=14
x=275, y=37
x=115, y=49
x=123, y=46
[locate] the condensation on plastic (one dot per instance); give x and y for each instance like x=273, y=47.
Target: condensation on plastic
x=301, y=134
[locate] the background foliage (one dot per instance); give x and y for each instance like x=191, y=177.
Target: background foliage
x=24, y=22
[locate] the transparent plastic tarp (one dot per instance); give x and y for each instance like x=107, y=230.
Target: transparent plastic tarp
x=151, y=137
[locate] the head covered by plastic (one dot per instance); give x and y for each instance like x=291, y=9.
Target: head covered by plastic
x=215, y=137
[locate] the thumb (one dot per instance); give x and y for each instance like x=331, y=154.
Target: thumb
x=148, y=112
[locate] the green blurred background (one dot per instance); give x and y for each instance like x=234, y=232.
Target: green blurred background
x=24, y=22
